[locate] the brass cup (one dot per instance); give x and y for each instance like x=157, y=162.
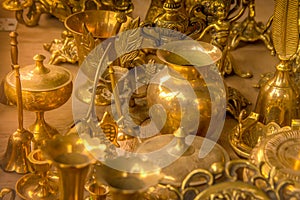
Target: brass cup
x=96, y=191
x=99, y=24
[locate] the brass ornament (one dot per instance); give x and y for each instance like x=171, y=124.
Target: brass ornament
x=219, y=28
x=72, y=161
x=132, y=183
x=232, y=187
x=278, y=99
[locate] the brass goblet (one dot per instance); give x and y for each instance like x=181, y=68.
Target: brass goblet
x=43, y=88
x=90, y=28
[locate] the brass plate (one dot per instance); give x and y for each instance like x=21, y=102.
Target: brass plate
x=249, y=139
x=27, y=185
x=282, y=152
x=176, y=171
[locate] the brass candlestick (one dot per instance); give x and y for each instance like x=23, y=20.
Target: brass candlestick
x=38, y=184
x=19, y=143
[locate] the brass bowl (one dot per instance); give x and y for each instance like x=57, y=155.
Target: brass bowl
x=44, y=88
x=98, y=24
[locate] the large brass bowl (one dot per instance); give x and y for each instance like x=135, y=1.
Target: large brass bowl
x=44, y=88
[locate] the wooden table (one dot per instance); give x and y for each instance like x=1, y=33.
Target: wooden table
x=254, y=57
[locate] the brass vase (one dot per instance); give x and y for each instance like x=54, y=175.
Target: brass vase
x=72, y=161
x=182, y=88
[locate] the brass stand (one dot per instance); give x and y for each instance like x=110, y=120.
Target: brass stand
x=250, y=31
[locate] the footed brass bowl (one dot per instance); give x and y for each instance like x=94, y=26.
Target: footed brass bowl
x=43, y=87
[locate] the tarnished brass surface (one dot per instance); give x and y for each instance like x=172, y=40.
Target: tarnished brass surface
x=281, y=152
x=4, y=192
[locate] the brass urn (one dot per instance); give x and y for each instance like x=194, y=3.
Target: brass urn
x=187, y=88
x=44, y=88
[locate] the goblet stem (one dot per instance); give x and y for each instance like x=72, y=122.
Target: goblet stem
x=41, y=130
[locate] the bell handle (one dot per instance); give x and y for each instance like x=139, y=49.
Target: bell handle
x=14, y=47
x=19, y=96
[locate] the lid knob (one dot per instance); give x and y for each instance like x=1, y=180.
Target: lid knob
x=39, y=64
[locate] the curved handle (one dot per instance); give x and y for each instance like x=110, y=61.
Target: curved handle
x=6, y=191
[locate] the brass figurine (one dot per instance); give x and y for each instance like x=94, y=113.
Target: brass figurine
x=219, y=30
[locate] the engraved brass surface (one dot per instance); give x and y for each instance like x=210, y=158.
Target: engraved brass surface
x=279, y=151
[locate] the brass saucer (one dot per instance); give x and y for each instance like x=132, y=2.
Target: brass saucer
x=27, y=186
